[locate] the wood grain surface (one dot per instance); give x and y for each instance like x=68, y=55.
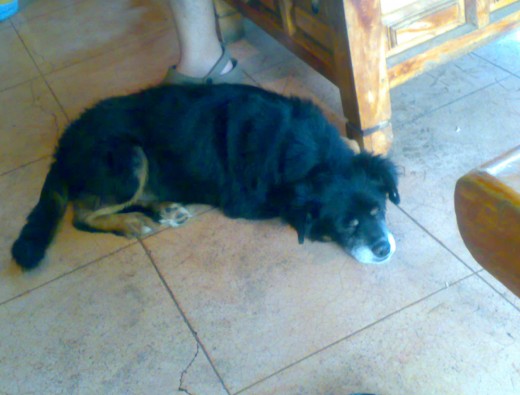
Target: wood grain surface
x=487, y=205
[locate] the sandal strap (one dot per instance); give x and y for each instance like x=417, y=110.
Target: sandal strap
x=176, y=78
x=218, y=67
x=213, y=76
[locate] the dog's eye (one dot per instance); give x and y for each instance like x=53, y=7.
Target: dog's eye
x=374, y=211
x=353, y=223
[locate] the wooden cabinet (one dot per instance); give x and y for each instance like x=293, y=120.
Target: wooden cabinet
x=367, y=47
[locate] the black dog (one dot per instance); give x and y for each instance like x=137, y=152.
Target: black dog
x=252, y=153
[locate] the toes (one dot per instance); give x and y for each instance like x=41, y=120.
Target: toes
x=171, y=208
x=181, y=215
x=174, y=215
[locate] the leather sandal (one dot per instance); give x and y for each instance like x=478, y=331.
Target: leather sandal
x=214, y=76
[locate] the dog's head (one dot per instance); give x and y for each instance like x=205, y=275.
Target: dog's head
x=349, y=206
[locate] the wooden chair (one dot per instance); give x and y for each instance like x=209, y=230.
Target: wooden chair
x=487, y=204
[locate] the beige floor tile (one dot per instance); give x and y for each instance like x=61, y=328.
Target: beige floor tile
x=30, y=122
x=19, y=192
x=500, y=288
x=461, y=341
x=442, y=85
x=257, y=299
x=419, y=96
x=437, y=149
x=504, y=53
x=135, y=66
x=16, y=66
x=260, y=301
x=109, y=328
x=30, y=9
x=92, y=27
x=295, y=78
x=125, y=70
x=258, y=51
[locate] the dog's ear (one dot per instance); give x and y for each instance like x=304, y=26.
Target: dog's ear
x=302, y=210
x=388, y=176
x=382, y=170
x=302, y=222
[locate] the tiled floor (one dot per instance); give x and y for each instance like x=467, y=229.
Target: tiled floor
x=222, y=306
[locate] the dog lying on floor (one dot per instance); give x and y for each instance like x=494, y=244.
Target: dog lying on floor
x=129, y=163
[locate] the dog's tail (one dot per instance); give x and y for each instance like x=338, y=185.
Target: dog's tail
x=29, y=249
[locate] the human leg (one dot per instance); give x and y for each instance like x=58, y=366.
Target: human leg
x=200, y=47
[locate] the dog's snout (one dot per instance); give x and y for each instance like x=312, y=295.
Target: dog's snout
x=381, y=248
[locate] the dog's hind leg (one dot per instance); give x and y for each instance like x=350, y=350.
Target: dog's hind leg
x=92, y=215
x=129, y=224
x=132, y=224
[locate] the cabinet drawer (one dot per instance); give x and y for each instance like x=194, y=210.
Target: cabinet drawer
x=420, y=21
x=266, y=3
x=314, y=25
x=496, y=4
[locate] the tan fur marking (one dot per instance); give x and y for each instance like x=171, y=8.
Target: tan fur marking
x=128, y=224
x=108, y=218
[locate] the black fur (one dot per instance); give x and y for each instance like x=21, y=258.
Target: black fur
x=252, y=153
x=42, y=223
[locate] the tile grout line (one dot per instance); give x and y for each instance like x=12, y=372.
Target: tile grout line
x=183, y=315
x=250, y=76
x=147, y=37
x=8, y=87
x=496, y=290
x=46, y=13
x=356, y=332
x=437, y=239
x=42, y=75
x=512, y=73
x=84, y=265
x=477, y=272
x=271, y=67
x=434, y=110
x=414, y=119
x=496, y=82
x=171, y=294
x=25, y=165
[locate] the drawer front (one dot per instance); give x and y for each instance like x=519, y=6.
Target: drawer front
x=420, y=21
x=312, y=24
x=270, y=4
x=497, y=4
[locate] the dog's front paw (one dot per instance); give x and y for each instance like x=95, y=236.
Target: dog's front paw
x=174, y=215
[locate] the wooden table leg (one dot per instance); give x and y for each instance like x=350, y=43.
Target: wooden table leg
x=377, y=140
x=361, y=72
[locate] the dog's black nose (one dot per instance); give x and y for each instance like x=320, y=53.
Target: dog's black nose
x=381, y=248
